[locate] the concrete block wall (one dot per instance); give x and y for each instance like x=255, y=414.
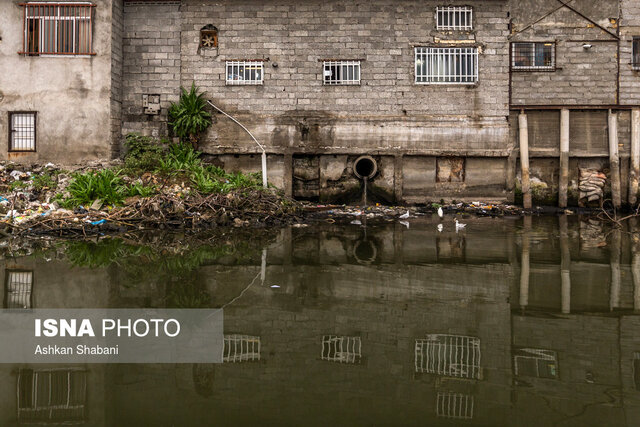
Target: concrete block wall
x=582, y=76
x=629, y=27
x=151, y=63
x=117, y=29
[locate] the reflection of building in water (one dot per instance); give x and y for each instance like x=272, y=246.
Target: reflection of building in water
x=534, y=362
x=454, y=405
x=341, y=349
x=17, y=290
x=52, y=396
x=241, y=348
x=449, y=355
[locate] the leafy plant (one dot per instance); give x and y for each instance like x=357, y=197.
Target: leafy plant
x=105, y=185
x=189, y=117
x=18, y=185
x=139, y=189
x=180, y=158
x=42, y=181
x=143, y=153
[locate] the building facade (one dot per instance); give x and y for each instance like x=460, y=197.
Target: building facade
x=421, y=97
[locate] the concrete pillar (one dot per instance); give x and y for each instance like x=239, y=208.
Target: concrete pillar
x=397, y=178
x=614, y=160
x=511, y=174
x=288, y=175
x=524, y=160
x=524, y=263
x=614, y=262
x=634, y=170
x=565, y=264
x=564, y=158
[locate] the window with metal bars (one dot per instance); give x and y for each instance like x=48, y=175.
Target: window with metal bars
x=454, y=405
x=635, y=62
x=535, y=362
x=52, y=396
x=22, y=131
x=245, y=72
x=535, y=56
x=448, y=355
x=341, y=349
x=341, y=72
x=17, y=290
x=240, y=348
x=57, y=28
x=446, y=65
x=454, y=18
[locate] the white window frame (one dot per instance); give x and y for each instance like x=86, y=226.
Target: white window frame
x=461, y=14
x=453, y=405
x=456, y=356
x=346, y=68
x=446, y=65
x=235, y=73
x=240, y=348
x=535, y=354
x=22, y=131
x=341, y=349
x=533, y=67
x=56, y=19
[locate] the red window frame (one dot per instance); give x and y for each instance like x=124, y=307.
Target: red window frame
x=57, y=28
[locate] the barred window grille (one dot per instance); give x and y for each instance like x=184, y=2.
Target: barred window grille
x=454, y=405
x=341, y=349
x=449, y=355
x=446, y=65
x=533, y=56
x=18, y=289
x=55, y=396
x=240, y=348
x=22, y=131
x=245, y=72
x=636, y=53
x=341, y=72
x=454, y=18
x=57, y=28
x=534, y=362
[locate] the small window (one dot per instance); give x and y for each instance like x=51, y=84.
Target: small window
x=17, y=289
x=57, y=29
x=209, y=37
x=454, y=18
x=52, y=396
x=535, y=362
x=341, y=72
x=533, y=56
x=449, y=355
x=446, y=65
x=22, y=131
x=240, y=348
x=636, y=53
x=454, y=405
x=245, y=72
x=341, y=349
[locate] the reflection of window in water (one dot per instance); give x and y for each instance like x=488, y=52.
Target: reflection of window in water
x=636, y=369
x=52, y=396
x=241, y=348
x=341, y=349
x=448, y=355
x=534, y=362
x=454, y=405
x=17, y=289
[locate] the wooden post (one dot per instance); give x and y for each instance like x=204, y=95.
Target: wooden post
x=524, y=263
x=635, y=263
x=565, y=264
x=524, y=159
x=564, y=158
x=614, y=160
x=634, y=171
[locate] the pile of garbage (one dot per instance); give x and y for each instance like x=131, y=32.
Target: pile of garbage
x=591, y=186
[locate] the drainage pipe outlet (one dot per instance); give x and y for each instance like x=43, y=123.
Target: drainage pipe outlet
x=365, y=167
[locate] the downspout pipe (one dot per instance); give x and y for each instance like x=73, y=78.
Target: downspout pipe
x=264, y=153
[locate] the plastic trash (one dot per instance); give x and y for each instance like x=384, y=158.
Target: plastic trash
x=102, y=221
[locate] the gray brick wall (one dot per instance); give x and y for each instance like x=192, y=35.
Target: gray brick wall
x=117, y=29
x=151, y=63
x=629, y=27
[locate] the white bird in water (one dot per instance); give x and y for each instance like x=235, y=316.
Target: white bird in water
x=404, y=215
x=459, y=225
x=440, y=228
x=440, y=213
x=405, y=223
